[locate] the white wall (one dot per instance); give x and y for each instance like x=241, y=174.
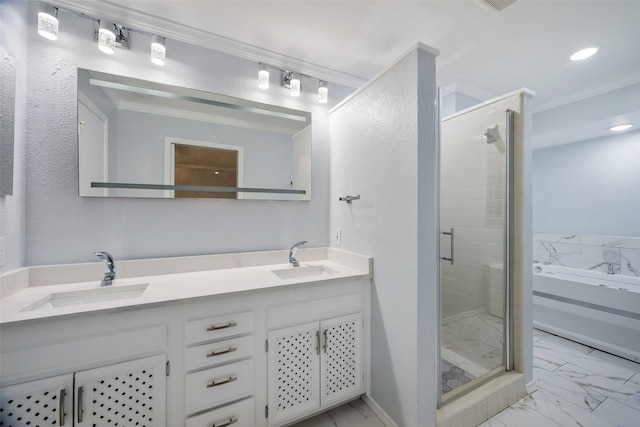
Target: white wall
x=62, y=227
x=588, y=187
x=12, y=208
x=383, y=148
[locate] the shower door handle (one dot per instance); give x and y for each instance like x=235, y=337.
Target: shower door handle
x=451, y=234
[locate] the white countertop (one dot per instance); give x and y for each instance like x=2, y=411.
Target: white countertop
x=211, y=276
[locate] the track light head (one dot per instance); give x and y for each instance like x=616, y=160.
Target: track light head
x=158, y=50
x=48, y=21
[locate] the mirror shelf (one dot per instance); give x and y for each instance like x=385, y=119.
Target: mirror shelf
x=200, y=188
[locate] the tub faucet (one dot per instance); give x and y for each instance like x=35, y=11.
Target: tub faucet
x=292, y=253
x=110, y=272
x=610, y=257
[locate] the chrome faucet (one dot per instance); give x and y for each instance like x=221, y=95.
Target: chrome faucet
x=110, y=272
x=611, y=266
x=292, y=253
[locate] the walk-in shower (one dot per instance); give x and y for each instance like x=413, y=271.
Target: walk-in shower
x=475, y=223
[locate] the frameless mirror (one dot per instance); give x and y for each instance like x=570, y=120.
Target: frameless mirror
x=144, y=139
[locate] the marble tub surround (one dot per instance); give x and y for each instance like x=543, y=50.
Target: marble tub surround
x=587, y=251
x=170, y=279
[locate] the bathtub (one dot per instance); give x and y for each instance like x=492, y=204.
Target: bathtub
x=597, y=309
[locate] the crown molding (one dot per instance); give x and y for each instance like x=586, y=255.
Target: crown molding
x=608, y=86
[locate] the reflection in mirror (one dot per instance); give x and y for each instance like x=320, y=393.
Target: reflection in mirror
x=144, y=139
x=7, y=119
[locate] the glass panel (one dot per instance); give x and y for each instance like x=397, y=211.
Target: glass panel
x=473, y=218
x=205, y=166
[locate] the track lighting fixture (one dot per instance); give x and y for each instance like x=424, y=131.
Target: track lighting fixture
x=291, y=80
x=110, y=35
x=158, y=49
x=48, y=21
x=263, y=76
x=107, y=37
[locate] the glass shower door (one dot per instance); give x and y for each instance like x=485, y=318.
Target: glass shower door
x=474, y=219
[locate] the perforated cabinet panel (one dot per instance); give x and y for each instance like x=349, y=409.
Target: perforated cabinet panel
x=37, y=403
x=293, y=370
x=342, y=363
x=122, y=395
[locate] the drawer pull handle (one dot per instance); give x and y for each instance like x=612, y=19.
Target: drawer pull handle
x=61, y=413
x=80, y=401
x=226, y=325
x=228, y=423
x=215, y=383
x=225, y=351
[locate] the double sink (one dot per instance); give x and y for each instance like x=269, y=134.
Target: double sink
x=128, y=292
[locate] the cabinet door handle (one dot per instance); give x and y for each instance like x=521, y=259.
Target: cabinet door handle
x=318, y=343
x=216, y=383
x=61, y=405
x=219, y=352
x=227, y=423
x=324, y=343
x=79, y=405
x=226, y=325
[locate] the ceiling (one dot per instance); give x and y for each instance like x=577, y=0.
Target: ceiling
x=482, y=53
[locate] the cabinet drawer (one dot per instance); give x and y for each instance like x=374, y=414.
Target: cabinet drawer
x=218, y=327
x=205, y=355
x=216, y=386
x=237, y=415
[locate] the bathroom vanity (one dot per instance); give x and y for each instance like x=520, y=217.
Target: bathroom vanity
x=238, y=339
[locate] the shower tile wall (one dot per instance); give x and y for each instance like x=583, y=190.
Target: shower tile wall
x=586, y=251
x=472, y=201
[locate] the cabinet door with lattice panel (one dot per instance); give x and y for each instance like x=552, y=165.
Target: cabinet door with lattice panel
x=39, y=403
x=294, y=380
x=342, y=368
x=126, y=394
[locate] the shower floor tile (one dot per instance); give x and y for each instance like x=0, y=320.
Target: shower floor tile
x=474, y=343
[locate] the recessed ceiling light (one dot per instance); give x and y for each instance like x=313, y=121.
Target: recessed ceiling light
x=620, y=128
x=583, y=54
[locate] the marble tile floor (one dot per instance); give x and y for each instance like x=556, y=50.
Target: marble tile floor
x=353, y=414
x=576, y=386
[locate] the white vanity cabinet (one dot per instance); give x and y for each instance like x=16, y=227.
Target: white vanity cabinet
x=314, y=365
x=224, y=347
x=127, y=393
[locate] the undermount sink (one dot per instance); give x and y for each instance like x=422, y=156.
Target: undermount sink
x=89, y=296
x=303, y=272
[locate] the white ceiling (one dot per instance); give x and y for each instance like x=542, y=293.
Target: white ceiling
x=482, y=53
